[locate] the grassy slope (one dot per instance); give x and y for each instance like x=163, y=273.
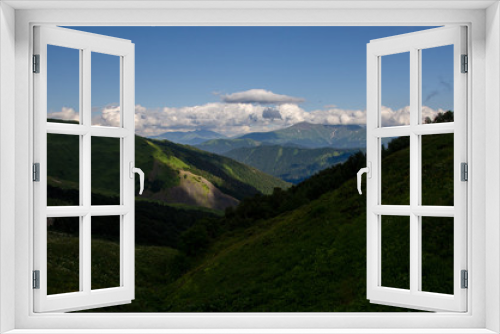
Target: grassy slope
x=230, y=176
x=308, y=259
x=291, y=164
x=152, y=267
x=162, y=163
x=313, y=258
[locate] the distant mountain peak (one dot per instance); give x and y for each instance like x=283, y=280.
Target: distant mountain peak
x=189, y=137
x=311, y=135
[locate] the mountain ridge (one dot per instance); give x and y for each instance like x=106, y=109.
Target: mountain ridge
x=314, y=135
x=174, y=173
x=189, y=137
x=291, y=164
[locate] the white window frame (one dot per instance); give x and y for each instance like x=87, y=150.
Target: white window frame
x=483, y=20
x=413, y=44
x=85, y=44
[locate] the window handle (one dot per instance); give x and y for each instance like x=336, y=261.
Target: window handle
x=368, y=171
x=141, y=176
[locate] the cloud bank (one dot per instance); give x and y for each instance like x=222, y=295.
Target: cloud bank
x=233, y=119
x=257, y=110
x=68, y=114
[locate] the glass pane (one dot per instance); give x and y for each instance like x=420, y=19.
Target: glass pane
x=395, y=251
x=437, y=254
x=437, y=84
x=105, y=171
x=395, y=90
x=437, y=170
x=63, y=84
x=105, y=252
x=395, y=171
x=63, y=255
x=105, y=89
x=63, y=170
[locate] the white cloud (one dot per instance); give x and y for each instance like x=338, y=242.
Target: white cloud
x=67, y=114
x=260, y=96
x=233, y=119
x=108, y=116
x=239, y=118
x=402, y=116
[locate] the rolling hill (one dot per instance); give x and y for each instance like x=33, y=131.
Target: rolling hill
x=290, y=164
x=297, y=250
x=174, y=173
x=221, y=146
x=304, y=249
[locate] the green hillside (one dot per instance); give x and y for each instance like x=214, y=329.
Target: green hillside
x=290, y=164
x=221, y=146
x=231, y=177
x=301, y=249
x=312, y=258
x=152, y=267
x=174, y=173
x=304, y=249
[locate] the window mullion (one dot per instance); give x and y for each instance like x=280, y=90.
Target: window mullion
x=85, y=166
x=85, y=244
x=415, y=248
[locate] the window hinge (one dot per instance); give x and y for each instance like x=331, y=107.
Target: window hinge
x=465, y=279
x=36, y=63
x=465, y=64
x=36, y=279
x=36, y=172
x=464, y=171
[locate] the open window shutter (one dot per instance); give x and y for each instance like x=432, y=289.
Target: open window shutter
x=86, y=293
x=415, y=295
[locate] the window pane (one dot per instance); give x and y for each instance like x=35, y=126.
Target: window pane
x=395, y=251
x=105, y=171
x=395, y=89
x=63, y=170
x=105, y=252
x=437, y=170
x=63, y=84
x=437, y=84
x=437, y=254
x=395, y=171
x=105, y=89
x=63, y=255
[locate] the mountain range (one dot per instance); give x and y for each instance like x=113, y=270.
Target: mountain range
x=189, y=137
x=309, y=135
x=296, y=250
x=294, y=153
x=301, y=249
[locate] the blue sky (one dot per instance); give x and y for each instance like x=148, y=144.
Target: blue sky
x=180, y=67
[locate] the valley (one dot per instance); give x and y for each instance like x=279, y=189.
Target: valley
x=292, y=248
x=294, y=153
